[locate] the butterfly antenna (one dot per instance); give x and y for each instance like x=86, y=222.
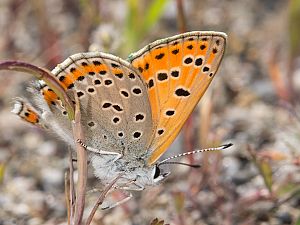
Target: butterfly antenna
x=181, y=163
x=193, y=152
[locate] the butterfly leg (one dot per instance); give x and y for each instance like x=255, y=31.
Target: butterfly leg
x=125, y=188
x=101, y=152
x=131, y=185
x=134, y=187
x=129, y=196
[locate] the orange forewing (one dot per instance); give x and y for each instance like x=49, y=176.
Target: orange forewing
x=181, y=69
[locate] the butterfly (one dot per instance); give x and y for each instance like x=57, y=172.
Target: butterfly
x=131, y=110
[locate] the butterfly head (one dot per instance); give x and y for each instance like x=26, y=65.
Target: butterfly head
x=158, y=175
x=148, y=176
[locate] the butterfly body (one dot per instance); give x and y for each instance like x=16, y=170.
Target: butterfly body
x=131, y=110
x=136, y=174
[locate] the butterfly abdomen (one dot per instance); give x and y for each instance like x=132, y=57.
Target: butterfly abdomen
x=26, y=112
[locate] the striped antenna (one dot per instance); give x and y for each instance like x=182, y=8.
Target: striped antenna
x=194, y=152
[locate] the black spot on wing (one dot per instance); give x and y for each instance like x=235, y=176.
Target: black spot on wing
x=150, y=83
x=118, y=108
x=175, y=51
x=190, y=47
x=108, y=82
x=160, y=131
x=91, y=124
x=97, y=63
x=71, y=86
x=180, y=92
x=202, y=47
x=162, y=76
x=80, y=94
x=97, y=82
x=102, y=72
x=139, y=117
x=116, y=120
x=170, y=112
x=205, y=69
x=91, y=90
x=106, y=105
x=136, y=91
x=80, y=78
x=115, y=65
x=137, y=134
x=131, y=76
x=175, y=73
x=188, y=60
x=160, y=56
x=198, y=62
x=119, y=75
x=124, y=93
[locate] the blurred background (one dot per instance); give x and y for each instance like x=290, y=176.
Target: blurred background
x=253, y=102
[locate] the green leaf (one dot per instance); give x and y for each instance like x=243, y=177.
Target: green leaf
x=266, y=172
x=264, y=168
x=140, y=19
x=154, y=13
x=294, y=27
x=298, y=221
x=179, y=201
x=2, y=171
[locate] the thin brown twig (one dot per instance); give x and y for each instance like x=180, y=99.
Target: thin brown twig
x=277, y=77
x=81, y=165
x=67, y=195
x=101, y=199
x=71, y=191
x=180, y=17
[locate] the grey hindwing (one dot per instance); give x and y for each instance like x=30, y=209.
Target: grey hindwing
x=114, y=103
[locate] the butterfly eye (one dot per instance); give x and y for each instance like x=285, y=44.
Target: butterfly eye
x=156, y=172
